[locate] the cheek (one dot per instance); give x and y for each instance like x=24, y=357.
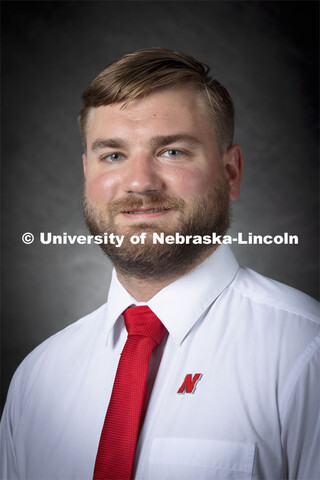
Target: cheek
x=101, y=187
x=189, y=182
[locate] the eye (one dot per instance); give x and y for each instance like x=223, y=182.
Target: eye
x=113, y=157
x=172, y=153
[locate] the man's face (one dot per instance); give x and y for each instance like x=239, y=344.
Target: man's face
x=154, y=166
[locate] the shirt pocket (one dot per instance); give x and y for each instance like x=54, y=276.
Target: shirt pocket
x=198, y=459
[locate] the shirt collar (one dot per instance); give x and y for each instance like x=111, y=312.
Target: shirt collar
x=180, y=304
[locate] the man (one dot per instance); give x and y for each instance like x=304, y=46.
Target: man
x=226, y=385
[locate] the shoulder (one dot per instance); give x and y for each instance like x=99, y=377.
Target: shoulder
x=280, y=325
x=64, y=346
x=268, y=294
x=277, y=319
x=79, y=329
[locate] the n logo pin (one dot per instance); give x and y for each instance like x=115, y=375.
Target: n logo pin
x=189, y=384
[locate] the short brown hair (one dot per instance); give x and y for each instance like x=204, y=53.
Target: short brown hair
x=143, y=71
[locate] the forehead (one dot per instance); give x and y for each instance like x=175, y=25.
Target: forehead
x=163, y=111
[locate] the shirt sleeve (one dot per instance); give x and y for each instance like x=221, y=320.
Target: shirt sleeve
x=8, y=464
x=301, y=422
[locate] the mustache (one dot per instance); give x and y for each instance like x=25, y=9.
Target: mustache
x=148, y=201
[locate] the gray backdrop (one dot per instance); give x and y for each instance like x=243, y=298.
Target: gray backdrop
x=265, y=53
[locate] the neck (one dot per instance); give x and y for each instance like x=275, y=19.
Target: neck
x=143, y=289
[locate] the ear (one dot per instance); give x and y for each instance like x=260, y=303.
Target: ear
x=233, y=167
x=84, y=160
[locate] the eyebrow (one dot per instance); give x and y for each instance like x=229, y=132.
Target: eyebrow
x=162, y=140
x=157, y=141
x=101, y=143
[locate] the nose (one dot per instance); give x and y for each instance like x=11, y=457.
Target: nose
x=142, y=175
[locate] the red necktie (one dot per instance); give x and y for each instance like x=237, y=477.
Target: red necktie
x=129, y=396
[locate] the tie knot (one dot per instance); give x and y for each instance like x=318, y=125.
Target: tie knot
x=142, y=321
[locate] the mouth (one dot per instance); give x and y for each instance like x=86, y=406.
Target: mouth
x=143, y=211
x=145, y=214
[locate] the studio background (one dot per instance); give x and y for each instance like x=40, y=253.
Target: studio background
x=265, y=53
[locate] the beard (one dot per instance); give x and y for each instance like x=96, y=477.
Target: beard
x=209, y=213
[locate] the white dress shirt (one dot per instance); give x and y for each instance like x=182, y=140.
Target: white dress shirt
x=252, y=414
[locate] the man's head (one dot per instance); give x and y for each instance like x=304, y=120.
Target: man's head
x=158, y=159
x=144, y=71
